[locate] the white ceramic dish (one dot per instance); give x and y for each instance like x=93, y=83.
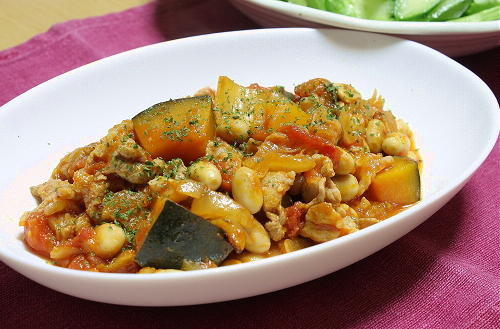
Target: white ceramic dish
x=449, y=108
x=452, y=39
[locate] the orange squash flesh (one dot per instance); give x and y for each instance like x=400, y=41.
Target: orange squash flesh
x=179, y=128
x=399, y=183
x=262, y=110
x=237, y=103
x=281, y=113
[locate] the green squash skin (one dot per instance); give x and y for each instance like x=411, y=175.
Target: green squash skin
x=160, y=109
x=179, y=235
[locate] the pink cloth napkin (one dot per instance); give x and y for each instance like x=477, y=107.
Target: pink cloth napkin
x=444, y=274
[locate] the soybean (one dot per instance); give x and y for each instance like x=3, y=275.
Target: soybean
x=207, y=173
x=247, y=189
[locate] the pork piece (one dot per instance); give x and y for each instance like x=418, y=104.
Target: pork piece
x=131, y=162
x=71, y=162
x=274, y=186
x=128, y=149
x=92, y=188
x=118, y=134
x=118, y=153
x=126, y=207
x=66, y=226
x=367, y=166
x=323, y=223
x=276, y=225
x=134, y=172
x=175, y=169
x=317, y=185
x=345, y=211
x=56, y=196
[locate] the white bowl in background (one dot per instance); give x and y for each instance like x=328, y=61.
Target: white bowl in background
x=449, y=108
x=451, y=38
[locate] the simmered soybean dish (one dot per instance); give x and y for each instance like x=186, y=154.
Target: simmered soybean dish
x=224, y=177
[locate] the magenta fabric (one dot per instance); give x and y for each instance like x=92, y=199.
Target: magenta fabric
x=444, y=274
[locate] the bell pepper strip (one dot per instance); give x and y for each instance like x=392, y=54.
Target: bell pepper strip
x=300, y=137
x=295, y=219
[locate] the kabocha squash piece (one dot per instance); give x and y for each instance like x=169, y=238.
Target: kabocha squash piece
x=243, y=112
x=283, y=112
x=179, y=236
x=239, y=111
x=399, y=183
x=179, y=128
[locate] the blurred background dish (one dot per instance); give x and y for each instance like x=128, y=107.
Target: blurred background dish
x=451, y=38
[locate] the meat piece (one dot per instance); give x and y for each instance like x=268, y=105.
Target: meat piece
x=276, y=225
x=274, y=186
x=344, y=210
x=317, y=185
x=175, y=169
x=130, y=161
x=127, y=207
x=118, y=134
x=323, y=223
x=131, y=151
x=66, y=226
x=56, y=196
x=71, y=162
x=134, y=172
x=92, y=188
x=367, y=166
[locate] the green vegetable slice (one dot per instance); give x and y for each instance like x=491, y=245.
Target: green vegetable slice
x=411, y=9
x=480, y=5
x=318, y=4
x=491, y=14
x=448, y=9
x=298, y=2
x=377, y=9
x=178, y=236
x=343, y=7
x=374, y=9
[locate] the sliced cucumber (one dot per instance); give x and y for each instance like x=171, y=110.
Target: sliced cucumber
x=373, y=9
x=480, y=5
x=377, y=9
x=491, y=14
x=318, y=4
x=343, y=7
x=410, y=9
x=448, y=9
x=298, y=2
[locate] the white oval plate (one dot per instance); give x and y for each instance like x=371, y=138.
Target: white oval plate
x=451, y=38
x=453, y=113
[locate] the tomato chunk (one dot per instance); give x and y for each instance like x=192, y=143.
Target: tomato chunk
x=300, y=137
x=295, y=219
x=38, y=234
